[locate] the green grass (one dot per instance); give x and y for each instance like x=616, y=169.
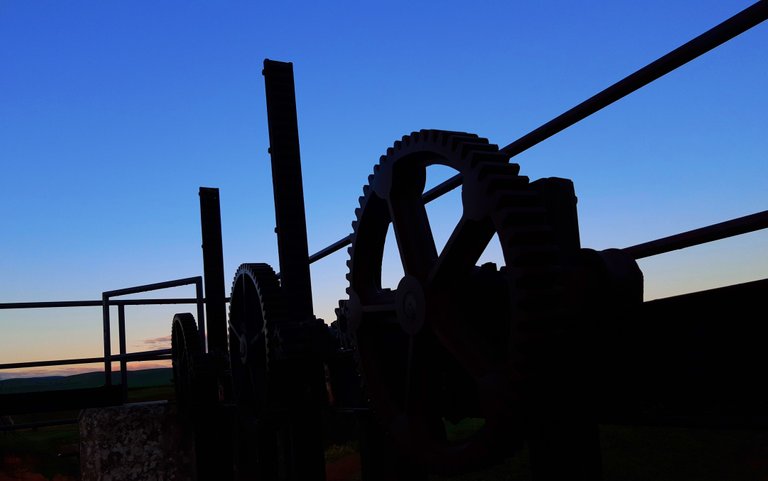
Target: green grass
x=136, y=379
x=629, y=453
x=335, y=452
x=53, y=450
x=47, y=451
x=153, y=393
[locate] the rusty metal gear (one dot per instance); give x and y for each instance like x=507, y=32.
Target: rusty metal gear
x=185, y=349
x=453, y=342
x=194, y=383
x=255, y=310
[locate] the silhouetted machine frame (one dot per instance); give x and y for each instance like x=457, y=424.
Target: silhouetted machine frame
x=538, y=351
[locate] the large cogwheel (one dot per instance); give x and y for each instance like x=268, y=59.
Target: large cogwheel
x=446, y=358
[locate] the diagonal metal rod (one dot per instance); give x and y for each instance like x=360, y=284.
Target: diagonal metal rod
x=734, y=26
x=714, y=37
x=722, y=230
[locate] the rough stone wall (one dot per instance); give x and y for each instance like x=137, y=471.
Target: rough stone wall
x=135, y=442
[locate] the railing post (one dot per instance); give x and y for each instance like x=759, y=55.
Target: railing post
x=107, y=340
x=123, y=362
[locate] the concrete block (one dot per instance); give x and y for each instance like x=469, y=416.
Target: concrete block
x=135, y=442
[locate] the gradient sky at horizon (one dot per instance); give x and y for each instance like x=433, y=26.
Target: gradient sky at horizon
x=113, y=114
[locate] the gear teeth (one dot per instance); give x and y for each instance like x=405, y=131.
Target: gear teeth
x=504, y=181
x=532, y=256
x=511, y=217
x=490, y=157
x=518, y=198
x=543, y=277
x=468, y=148
x=458, y=140
x=488, y=168
x=267, y=290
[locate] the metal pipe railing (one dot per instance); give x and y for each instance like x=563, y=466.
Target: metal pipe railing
x=107, y=295
x=128, y=357
x=106, y=303
x=712, y=38
x=721, y=230
x=94, y=303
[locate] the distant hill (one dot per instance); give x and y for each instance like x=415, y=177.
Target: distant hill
x=136, y=379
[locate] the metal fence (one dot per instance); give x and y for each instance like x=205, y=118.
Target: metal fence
x=108, y=300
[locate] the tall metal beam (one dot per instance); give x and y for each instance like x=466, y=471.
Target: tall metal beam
x=287, y=186
x=213, y=270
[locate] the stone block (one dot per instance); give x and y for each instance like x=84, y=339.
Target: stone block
x=135, y=442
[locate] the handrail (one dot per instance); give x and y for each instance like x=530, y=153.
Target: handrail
x=712, y=38
x=106, y=299
x=93, y=303
x=131, y=356
x=106, y=303
x=721, y=230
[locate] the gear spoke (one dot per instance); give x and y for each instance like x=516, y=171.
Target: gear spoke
x=465, y=246
x=414, y=236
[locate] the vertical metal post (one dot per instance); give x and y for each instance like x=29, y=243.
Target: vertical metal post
x=107, y=341
x=200, y=310
x=213, y=270
x=288, y=190
x=303, y=392
x=564, y=439
x=123, y=362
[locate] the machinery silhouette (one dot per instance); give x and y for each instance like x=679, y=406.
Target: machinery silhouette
x=537, y=351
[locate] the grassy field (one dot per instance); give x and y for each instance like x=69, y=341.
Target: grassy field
x=49, y=453
x=629, y=453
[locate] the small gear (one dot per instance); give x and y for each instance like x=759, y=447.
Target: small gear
x=256, y=309
x=185, y=355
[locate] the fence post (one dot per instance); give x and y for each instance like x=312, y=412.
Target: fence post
x=107, y=341
x=123, y=362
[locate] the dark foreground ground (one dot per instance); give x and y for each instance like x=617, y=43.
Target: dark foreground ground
x=629, y=454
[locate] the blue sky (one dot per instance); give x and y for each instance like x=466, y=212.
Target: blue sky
x=113, y=114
